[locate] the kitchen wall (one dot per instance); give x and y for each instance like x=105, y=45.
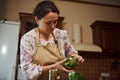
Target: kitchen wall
x=97, y=63
x=74, y=13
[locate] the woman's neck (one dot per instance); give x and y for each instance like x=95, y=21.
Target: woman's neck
x=44, y=35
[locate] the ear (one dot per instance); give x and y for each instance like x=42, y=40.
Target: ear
x=36, y=19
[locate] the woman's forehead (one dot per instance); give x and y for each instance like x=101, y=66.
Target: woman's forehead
x=51, y=16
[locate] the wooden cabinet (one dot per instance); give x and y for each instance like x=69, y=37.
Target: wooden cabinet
x=106, y=35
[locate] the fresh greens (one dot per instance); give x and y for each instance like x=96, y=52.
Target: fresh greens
x=71, y=62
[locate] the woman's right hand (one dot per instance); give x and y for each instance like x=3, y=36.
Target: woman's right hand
x=59, y=65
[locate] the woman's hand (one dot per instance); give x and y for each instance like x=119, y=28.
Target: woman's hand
x=59, y=65
x=80, y=58
x=36, y=77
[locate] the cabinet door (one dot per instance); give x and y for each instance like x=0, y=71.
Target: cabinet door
x=106, y=39
x=26, y=22
x=106, y=35
x=110, y=38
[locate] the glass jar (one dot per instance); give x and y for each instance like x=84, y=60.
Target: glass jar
x=54, y=74
x=75, y=76
x=71, y=62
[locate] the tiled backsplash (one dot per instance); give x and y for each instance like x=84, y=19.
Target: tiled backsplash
x=95, y=64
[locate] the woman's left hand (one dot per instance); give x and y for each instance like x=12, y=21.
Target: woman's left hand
x=80, y=58
x=59, y=65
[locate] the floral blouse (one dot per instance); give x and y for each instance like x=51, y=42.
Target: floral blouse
x=27, y=46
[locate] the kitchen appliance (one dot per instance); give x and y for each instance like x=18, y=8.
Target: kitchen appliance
x=9, y=34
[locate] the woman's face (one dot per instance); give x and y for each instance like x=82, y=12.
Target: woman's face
x=49, y=22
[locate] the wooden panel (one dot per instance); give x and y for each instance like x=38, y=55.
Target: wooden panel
x=106, y=35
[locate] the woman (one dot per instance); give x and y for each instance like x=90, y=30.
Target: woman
x=46, y=16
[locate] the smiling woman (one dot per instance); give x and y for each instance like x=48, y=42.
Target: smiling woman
x=26, y=24
x=51, y=44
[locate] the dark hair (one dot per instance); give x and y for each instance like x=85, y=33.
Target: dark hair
x=43, y=8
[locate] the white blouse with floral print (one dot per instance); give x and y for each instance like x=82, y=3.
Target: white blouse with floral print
x=27, y=46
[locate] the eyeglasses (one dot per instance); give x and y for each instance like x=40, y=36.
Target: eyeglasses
x=51, y=22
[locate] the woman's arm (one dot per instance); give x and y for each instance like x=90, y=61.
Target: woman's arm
x=58, y=65
x=69, y=50
x=29, y=69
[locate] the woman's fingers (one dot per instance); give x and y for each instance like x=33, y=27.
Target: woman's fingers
x=66, y=70
x=36, y=77
x=62, y=61
x=80, y=59
x=59, y=65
